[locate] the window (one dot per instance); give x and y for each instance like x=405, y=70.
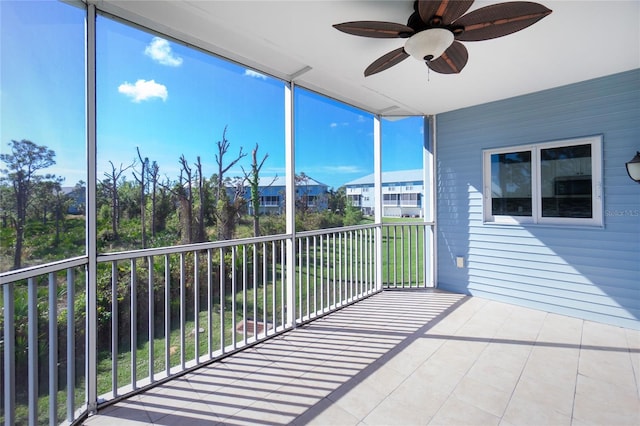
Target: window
x=390, y=199
x=270, y=201
x=551, y=183
x=409, y=199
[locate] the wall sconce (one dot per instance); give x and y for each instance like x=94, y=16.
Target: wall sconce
x=633, y=167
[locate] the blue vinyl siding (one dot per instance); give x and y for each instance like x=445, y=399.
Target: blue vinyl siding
x=588, y=272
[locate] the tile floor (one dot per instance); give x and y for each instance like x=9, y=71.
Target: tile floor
x=411, y=358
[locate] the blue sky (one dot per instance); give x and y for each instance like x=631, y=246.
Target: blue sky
x=170, y=100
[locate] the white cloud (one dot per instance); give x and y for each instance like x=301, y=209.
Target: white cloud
x=143, y=90
x=333, y=125
x=342, y=169
x=254, y=74
x=160, y=51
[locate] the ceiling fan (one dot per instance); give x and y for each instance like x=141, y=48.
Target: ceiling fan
x=436, y=28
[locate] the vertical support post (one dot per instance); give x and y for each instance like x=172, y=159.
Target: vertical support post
x=377, y=188
x=91, y=276
x=290, y=207
x=429, y=197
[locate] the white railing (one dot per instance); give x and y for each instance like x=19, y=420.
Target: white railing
x=161, y=312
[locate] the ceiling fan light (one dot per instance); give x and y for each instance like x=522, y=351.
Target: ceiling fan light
x=429, y=44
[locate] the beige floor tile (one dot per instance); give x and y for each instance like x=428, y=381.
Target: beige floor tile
x=457, y=412
x=264, y=412
x=359, y=400
x=483, y=396
x=523, y=411
x=194, y=414
x=556, y=397
x=598, y=402
x=608, y=365
x=407, y=405
x=326, y=413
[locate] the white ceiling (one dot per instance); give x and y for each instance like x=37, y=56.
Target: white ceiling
x=580, y=40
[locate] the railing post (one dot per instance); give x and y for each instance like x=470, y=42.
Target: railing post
x=429, y=204
x=290, y=207
x=91, y=215
x=377, y=187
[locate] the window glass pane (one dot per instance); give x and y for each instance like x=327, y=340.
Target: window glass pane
x=43, y=132
x=334, y=146
x=191, y=122
x=566, y=181
x=511, y=184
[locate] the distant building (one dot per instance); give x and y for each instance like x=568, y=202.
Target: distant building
x=77, y=195
x=402, y=193
x=310, y=194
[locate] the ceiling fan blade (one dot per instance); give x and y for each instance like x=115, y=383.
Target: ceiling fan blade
x=451, y=61
x=447, y=10
x=376, y=29
x=500, y=19
x=386, y=61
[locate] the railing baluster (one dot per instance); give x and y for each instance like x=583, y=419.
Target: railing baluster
x=167, y=314
x=71, y=345
x=255, y=292
x=233, y=297
x=209, y=304
x=183, y=311
x=151, y=316
x=333, y=263
x=300, y=279
x=32, y=303
x=114, y=328
x=402, y=258
x=196, y=306
x=53, y=349
x=283, y=280
x=244, y=293
x=395, y=257
x=273, y=284
x=308, y=273
x=9, y=335
x=315, y=281
x=340, y=279
x=417, y=258
x=133, y=316
x=264, y=288
x=410, y=249
x=222, y=283
x=328, y=275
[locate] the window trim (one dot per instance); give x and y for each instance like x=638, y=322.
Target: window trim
x=536, y=184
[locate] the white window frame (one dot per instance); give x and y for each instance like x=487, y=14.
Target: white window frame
x=536, y=184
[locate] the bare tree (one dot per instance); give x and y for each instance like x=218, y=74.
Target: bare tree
x=185, y=198
x=111, y=183
x=142, y=181
x=227, y=207
x=253, y=178
x=154, y=176
x=200, y=234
